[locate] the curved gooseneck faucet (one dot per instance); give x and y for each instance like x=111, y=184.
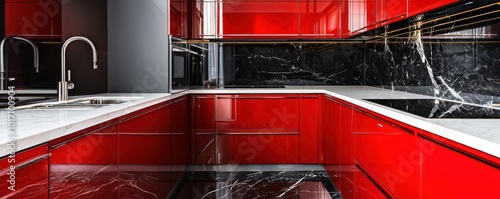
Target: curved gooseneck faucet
x=3, y=77
x=62, y=86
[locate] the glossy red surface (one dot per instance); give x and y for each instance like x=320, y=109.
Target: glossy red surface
x=338, y=144
x=250, y=18
x=30, y=177
x=364, y=188
x=86, y=165
x=33, y=19
x=446, y=171
x=321, y=19
x=416, y=7
x=180, y=138
x=309, y=129
x=392, y=11
x=259, y=113
x=139, y=152
x=258, y=149
x=390, y=154
x=179, y=18
x=203, y=129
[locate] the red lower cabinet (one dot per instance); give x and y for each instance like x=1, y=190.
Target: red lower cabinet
x=449, y=173
x=309, y=129
x=84, y=164
x=139, y=152
x=338, y=144
x=364, y=188
x=258, y=149
x=25, y=174
x=389, y=153
x=179, y=138
x=203, y=125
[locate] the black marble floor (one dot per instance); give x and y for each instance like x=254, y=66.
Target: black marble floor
x=269, y=181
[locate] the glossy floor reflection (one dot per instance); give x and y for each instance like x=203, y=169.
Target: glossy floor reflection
x=256, y=181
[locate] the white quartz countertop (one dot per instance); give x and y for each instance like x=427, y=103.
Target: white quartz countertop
x=35, y=127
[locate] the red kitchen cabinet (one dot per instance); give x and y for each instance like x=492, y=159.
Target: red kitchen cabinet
x=391, y=11
x=33, y=19
x=309, y=130
x=30, y=176
x=180, y=139
x=451, y=172
x=338, y=144
x=257, y=114
x=390, y=153
x=179, y=18
x=140, y=135
x=197, y=23
x=257, y=128
x=203, y=129
x=322, y=19
x=260, y=19
x=165, y=166
x=416, y=7
x=258, y=149
x=85, y=164
x=364, y=188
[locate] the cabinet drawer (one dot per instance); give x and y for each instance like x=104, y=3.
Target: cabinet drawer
x=389, y=153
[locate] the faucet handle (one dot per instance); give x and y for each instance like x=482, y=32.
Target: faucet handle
x=11, y=79
x=71, y=85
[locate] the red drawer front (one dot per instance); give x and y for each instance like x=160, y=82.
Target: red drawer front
x=390, y=154
x=258, y=149
x=265, y=114
x=31, y=175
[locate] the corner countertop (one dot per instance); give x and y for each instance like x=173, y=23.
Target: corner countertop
x=35, y=127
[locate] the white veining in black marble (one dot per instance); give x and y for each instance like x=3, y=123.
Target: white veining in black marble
x=256, y=184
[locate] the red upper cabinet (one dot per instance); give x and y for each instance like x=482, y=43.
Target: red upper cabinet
x=31, y=176
x=33, y=19
x=416, y=7
x=322, y=19
x=392, y=11
x=446, y=171
x=179, y=15
x=260, y=19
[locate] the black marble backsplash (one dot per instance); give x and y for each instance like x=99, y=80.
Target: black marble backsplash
x=464, y=69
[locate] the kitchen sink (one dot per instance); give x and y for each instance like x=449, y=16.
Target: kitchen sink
x=80, y=104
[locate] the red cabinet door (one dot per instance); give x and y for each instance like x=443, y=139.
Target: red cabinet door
x=339, y=144
x=166, y=183
x=85, y=166
x=258, y=149
x=309, y=129
x=446, y=171
x=389, y=153
x=260, y=19
x=29, y=178
x=416, y=7
x=33, y=19
x=179, y=145
x=321, y=19
x=366, y=189
x=392, y=11
x=257, y=113
x=139, y=152
x=203, y=129
x=179, y=18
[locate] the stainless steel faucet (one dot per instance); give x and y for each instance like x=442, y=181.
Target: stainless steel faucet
x=63, y=85
x=3, y=77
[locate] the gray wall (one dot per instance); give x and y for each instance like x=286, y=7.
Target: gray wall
x=138, y=46
x=85, y=18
